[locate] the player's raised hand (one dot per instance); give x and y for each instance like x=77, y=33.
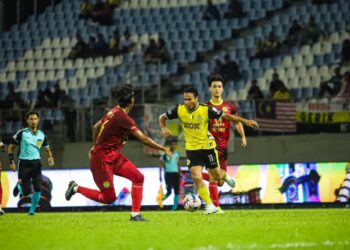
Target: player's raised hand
x=13, y=166
x=252, y=124
x=166, y=132
x=244, y=142
x=51, y=161
x=168, y=152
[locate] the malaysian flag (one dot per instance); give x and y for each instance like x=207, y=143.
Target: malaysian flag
x=276, y=116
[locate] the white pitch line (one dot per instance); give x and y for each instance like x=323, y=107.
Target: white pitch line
x=287, y=245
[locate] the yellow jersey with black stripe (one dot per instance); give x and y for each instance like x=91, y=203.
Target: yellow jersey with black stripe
x=195, y=124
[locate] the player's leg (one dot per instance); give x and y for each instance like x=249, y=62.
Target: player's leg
x=176, y=186
x=125, y=168
x=196, y=159
x=202, y=189
x=205, y=176
x=24, y=178
x=103, y=176
x=216, y=172
x=168, y=185
x=1, y=211
x=36, y=177
x=18, y=188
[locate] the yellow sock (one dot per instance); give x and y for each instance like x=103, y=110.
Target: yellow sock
x=204, y=194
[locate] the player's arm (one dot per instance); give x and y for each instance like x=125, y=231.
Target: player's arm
x=213, y=113
x=46, y=146
x=236, y=118
x=170, y=115
x=240, y=130
x=151, y=143
x=10, y=151
x=96, y=131
x=50, y=158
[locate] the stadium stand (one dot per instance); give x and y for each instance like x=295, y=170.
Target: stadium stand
x=34, y=55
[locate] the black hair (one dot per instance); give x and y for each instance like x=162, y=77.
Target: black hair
x=125, y=94
x=192, y=90
x=216, y=78
x=32, y=112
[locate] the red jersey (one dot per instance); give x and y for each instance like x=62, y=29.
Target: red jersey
x=220, y=129
x=116, y=126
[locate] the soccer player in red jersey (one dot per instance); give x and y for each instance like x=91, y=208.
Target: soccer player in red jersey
x=2, y=148
x=106, y=160
x=220, y=129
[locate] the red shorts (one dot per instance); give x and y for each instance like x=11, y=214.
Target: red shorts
x=104, y=171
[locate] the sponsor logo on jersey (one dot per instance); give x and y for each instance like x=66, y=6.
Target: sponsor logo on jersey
x=225, y=109
x=106, y=184
x=191, y=125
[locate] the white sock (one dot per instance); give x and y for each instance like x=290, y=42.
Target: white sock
x=75, y=189
x=133, y=214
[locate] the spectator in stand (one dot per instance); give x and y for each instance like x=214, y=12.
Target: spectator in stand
x=333, y=85
x=101, y=45
x=255, y=92
x=230, y=69
x=276, y=84
x=211, y=12
x=345, y=51
x=260, y=50
x=282, y=93
x=102, y=13
x=126, y=44
x=57, y=96
x=218, y=66
x=45, y=99
x=92, y=47
x=234, y=10
x=70, y=115
x=311, y=32
x=294, y=34
x=114, y=3
x=163, y=53
x=151, y=52
x=14, y=98
x=344, y=93
x=114, y=43
x=320, y=1
x=13, y=103
x=271, y=44
x=79, y=50
x=85, y=9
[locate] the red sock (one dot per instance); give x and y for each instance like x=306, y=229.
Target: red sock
x=205, y=176
x=136, y=195
x=107, y=197
x=214, y=193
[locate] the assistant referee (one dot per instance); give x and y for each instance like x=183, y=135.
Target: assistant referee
x=30, y=140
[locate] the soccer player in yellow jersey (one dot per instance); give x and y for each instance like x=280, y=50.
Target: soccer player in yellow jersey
x=199, y=143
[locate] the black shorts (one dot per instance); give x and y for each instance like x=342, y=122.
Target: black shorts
x=172, y=180
x=29, y=171
x=202, y=157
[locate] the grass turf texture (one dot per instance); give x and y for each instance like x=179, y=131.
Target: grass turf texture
x=236, y=229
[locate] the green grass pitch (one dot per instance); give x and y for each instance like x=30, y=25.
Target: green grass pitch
x=236, y=229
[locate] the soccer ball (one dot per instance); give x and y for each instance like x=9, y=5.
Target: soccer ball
x=192, y=202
